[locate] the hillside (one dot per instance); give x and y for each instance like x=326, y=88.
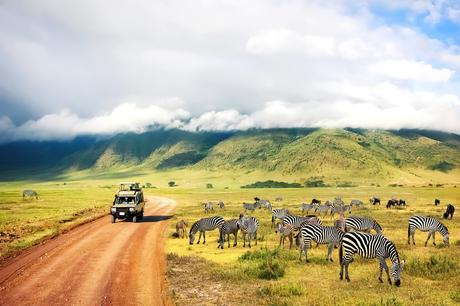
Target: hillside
x=336, y=155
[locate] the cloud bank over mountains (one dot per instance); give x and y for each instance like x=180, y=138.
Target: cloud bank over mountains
x=105, y=67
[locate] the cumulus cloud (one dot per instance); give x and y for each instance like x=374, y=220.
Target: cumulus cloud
x=411, y=70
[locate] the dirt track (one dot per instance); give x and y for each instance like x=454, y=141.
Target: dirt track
x=98, y=263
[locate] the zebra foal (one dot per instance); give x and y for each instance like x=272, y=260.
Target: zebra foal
x=249, y=227
x=229, y=227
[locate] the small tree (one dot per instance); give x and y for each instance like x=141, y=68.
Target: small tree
x=148, y=185
x=171, y=183
x=209, y=186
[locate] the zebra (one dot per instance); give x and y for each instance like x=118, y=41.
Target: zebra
x=249, y=227
x=265, y=203
x=449, y=212
x=221, y=205
x=250, y=206
x=181, y=229
x=285, y=231
x=279, y=213
x=297, y=221
x=322, y=209
x=29, y=193
x=337, y=202
x=203, y=225
x=229, y=227
x=370, y=246
x=357, y=203
x=340, y=209
x=208, y=207
x=307, y=207
x=330, y=235
x=427, y=224
x=365, y=224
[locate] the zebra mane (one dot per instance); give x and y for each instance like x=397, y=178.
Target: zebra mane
x=392, y=251
x=194, y=228
x=443, y=227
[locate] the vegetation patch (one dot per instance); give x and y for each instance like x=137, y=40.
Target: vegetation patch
x=346, y=184
x=313, y=183
x=442, y=166
x=455, y=296
x=272, y=184
x=281, y=290
x=436, y=267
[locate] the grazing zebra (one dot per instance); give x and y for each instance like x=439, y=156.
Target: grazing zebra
x=364, y=224
x=297, y=221
x=250, y=206
x=330, y=235
x=229, y=227
x=203, y=225
x=374, y=200
x=29, y=193
x=437, y=202
x=357, y=203
x=370, y=246
x=340, y=209
x=181, y=229
x=285, y=231
x=279, y=213
x=427, y=224
x=249, y=227
x=322, y=209
x=221, y=205
x=449, y=211
x=208, y=207
x=265, y=203
x=307, y=207
x=337, y=202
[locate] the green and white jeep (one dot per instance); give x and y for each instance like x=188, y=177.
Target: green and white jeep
x=128, y=203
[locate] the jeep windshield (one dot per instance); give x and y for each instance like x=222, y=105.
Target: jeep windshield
x=126, y=200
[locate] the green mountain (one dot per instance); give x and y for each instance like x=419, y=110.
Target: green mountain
x=333, y=154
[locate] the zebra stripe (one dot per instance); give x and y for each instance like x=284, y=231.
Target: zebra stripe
x=249, y=227
x=297, y=221
x=203, y=225
x=307, y=207
x=229, y=227
x=370, y=246
x=279, y=213
x=365, y=224
x=330, y=235
x=250, y=206
x=427, y=224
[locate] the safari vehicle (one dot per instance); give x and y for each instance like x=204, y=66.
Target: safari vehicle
x=128, y=203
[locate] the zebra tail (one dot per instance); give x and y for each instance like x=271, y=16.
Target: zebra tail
x=340, y=253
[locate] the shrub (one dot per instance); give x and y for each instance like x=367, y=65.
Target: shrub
x=455, y=296
x=436, y=267
x=271, y=269
x=209, y=186
x=272, y=184
x=283, y=290
x=442, y=166
x=172, y=184
x=315, y=183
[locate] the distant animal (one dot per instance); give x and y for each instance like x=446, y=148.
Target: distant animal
x=221, y=205
x=307, y=207
x=330, y=235
x=363, y=224
x=437, y=202
x=340, y=209
x=402, y=202
x=208, y=207
x=315, y=201
x=29, y=194
x=264, y=203
x=427, y=224
x=250, y=206
x=285, y=231
x=392, y=202
x=337, y=202
x=356, y=203
x=279, y=213
x=203, y=225
x=279, y=199
x=181, y=229
x=249, y=227
x=374, y=200
x=449, y=211
x=322, y=209
x=297, y=221
x=229, y=227
x=370, y=246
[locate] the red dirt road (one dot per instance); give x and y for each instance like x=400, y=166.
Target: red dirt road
x=98, y=263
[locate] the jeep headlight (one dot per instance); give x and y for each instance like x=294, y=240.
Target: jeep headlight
x=113, y=209
x=131, y=209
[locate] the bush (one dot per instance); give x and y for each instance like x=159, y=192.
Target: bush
x=436, y=267
x=442, y=166
x=209, y=186
x=455, y=296
x=272, y=184
x=315, y=183
x=172, y=184
x=271, y=269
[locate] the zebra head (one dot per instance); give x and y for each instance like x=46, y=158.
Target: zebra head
x=192, y=232
x=445, y=238
x=377, y=227
x=396, y=270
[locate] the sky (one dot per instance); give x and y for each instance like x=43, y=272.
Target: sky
x=70, y=68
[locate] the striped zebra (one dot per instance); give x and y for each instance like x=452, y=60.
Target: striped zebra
x=249, y=227
x=427, y=224
x=364, y=224
x=208, y=207
x=285, y=231
x=297, y=221
x=221, y=205
x=229, y=227
x=370, y=246
x=279, y=213
x=264, y=203
x=330, y=235
x=322, y=209
x=307, y=207
x=357, y=203
x=250, y=206
x=340, y=210
x=203, y=225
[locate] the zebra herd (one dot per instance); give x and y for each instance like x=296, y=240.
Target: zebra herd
x=351, y=234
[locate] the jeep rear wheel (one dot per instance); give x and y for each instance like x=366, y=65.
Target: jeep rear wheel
x=113, y=218
x=141, y=216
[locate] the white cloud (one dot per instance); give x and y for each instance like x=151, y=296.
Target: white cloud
x=226, y=120
x=411, y=70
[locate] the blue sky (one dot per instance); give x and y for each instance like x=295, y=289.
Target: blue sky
x=79, y=67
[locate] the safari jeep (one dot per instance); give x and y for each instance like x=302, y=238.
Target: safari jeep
x=128, y=203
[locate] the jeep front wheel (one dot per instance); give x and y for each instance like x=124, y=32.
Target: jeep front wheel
x=134, y=219
x=113, y=218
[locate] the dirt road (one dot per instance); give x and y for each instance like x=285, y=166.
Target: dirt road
x=98, y=263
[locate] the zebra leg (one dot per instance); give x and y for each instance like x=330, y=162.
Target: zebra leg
x=383, y=265
x=199, y=238
x=429, y=235
x=244, y=240
x=347, y=277
x=255, y=237
x=234, y=240
x=413, y=237
x=434, y=242
x=204, y=237
x=329, y=251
